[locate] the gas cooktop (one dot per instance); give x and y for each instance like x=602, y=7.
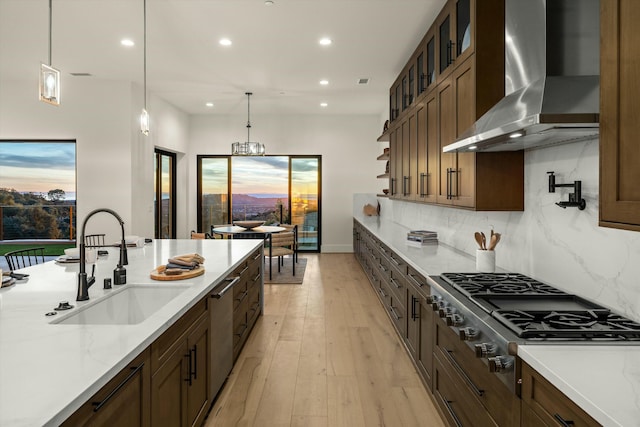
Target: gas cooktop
x=536, y=311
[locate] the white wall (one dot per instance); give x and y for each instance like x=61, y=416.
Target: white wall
x=347, y=145
x=114, y=161
x=562, y=247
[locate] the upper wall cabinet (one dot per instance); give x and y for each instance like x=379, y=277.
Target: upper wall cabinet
x=619, y=111
x=456, y=33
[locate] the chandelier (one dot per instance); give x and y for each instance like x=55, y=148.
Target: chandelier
x=247, y=148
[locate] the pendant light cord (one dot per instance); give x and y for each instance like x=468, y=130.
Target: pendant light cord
x=50, y=26
x=248, y=115
x=144, y=54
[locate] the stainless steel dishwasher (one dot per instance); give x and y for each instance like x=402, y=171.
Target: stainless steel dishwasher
x=221, y=332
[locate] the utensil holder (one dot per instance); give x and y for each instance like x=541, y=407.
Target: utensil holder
x=485, y=261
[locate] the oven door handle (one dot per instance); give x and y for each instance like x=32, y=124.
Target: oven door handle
x=464, y=375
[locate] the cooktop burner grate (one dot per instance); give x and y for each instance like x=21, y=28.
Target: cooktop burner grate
x=472, y=284
x=597, y=324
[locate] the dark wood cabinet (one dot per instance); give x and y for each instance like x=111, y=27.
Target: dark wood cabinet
x=619, y=109
x=544, y=405
x=180, y=381
x=465, y=50
x=123, y=401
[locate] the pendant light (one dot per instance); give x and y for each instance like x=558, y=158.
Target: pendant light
x=49, y=76
x=247, y=148
x=144, y=116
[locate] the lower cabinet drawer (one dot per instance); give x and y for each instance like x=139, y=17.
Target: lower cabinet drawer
x=545, y=402
x=493, y=394
x=459, y=407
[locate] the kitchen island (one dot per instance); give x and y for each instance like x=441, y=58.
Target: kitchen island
x=603, y=380
x=48, y=370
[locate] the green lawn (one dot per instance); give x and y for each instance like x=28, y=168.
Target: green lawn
x=50, y=249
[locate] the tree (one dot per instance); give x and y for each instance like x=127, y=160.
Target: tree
x=56, y=195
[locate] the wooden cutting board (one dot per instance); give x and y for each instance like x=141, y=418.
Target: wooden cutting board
x=158, y=273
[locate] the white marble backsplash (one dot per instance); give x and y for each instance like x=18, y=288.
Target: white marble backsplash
x=563, y=247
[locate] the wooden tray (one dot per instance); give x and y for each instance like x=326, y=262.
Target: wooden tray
x=158, y=273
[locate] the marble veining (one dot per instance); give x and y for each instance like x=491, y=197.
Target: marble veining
x=563, y=247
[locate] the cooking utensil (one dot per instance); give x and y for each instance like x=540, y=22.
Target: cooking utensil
x=495, y=238
x=478, y=238
x=484, y=241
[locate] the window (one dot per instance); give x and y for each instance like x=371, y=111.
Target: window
x=274, y=189
x=37, y=190
x=165, y=195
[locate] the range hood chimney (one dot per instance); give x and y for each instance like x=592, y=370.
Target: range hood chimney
x=552, y=81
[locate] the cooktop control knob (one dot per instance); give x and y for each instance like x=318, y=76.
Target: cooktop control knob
x=500, y=363
x=445, y=311
x=484, y=349
x=435, y=302
x=454, y=319
x=468, y=334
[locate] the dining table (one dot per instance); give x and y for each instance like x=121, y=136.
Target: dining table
x=263, y=232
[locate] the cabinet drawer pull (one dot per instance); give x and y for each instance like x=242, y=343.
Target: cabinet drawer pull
x=258, y=255
x=395, y=261
x=134, y=371
x=194, y=352
x=243, y=296
x=244, y=270
x=562, y=421
x=395, y=283
x=454, y=186
x=189, y=379
x=243, y=330
x=393, y=313
x=415, y=281
x=393, y=186
x=461, y=371
x=232, y=282
x=452, y=412
x=382, y=292
x=423, y=185
x=448, y=183
x=415, y=315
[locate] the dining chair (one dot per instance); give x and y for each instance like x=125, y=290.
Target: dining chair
x=294, y=229
x=24, y=258
x=94, y=240
x=200, y=236
x=282, y=244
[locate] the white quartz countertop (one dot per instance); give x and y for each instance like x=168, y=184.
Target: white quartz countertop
x=603, y=380
x=430, y=260
x=48, y=370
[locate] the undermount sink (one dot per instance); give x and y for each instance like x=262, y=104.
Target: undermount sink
x=128, y=306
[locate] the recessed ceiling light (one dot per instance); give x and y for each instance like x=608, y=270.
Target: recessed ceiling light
x=225, y=42
x=209, y=104
x=323, y=104
x=324, y=82
x=473, y=147
x=516, y=135
x=268, y=2
x=325, y=41
x=127, y=42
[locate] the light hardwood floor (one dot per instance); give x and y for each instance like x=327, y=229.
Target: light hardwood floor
x=324, y=353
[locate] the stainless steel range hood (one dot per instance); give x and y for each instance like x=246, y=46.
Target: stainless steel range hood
x=552, y=81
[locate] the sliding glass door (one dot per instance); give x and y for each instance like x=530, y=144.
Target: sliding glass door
x=305, y=200
x=165, y=195
x=214, y=187
x=274, y=189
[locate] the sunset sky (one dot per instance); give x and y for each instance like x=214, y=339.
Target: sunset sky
x=38, y=167
x=258, y=175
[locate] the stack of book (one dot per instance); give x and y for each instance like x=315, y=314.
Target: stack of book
x=422, y=237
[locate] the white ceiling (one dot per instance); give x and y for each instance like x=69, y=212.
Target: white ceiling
x=275, y=52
